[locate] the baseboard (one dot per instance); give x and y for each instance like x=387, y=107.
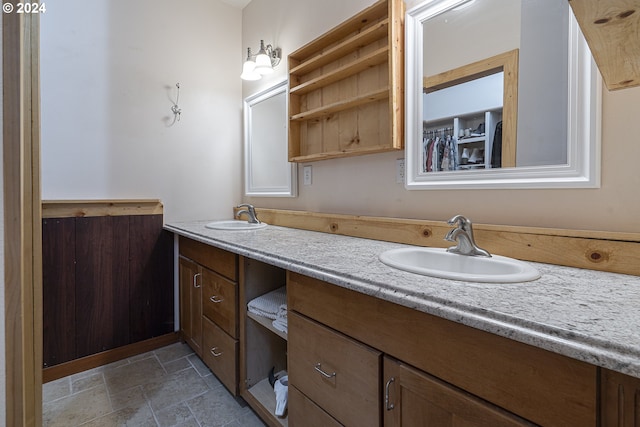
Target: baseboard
x=99, y=359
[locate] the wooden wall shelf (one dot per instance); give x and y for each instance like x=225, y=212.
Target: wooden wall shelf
x=345, y=87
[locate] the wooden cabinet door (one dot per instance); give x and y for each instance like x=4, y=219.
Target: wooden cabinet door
x=191, y=303
x=414, y=399
x=620, y=403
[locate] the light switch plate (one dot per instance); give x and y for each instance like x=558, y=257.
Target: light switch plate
x=307, y=175
x=400, y=171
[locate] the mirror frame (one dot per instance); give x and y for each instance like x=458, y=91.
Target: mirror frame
x=251, y=188
x=584, y=120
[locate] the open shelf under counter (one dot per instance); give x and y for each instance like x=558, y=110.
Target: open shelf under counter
x=264, y=394
x=266, y=323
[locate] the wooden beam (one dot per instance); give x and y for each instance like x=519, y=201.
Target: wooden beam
x=611, y=29
x=86, y=208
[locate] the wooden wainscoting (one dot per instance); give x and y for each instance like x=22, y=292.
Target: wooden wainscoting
x=595, y=250
x=107, y=280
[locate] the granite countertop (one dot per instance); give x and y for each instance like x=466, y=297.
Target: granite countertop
x=584, y=314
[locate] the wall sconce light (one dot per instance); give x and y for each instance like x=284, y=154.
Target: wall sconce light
x=262, y=63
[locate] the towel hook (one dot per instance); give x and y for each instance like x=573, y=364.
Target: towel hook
x=175, y=109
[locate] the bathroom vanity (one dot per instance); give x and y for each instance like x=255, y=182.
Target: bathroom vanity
x=371, y=345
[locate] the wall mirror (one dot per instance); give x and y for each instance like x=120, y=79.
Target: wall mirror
x=267, y=172
x=500, y=94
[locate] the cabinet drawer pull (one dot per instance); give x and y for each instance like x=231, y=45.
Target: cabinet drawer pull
x=386, y=394
x=195, y=280
x=216, y=299
x=318, y=368
x=215, y=352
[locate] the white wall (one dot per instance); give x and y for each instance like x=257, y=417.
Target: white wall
x=542, y=114
x=365, y=185
x=108, y=74
x=108, y=70
x=459, y=37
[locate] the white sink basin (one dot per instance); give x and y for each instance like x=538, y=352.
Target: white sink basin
x=437, y=262
x=234, y=225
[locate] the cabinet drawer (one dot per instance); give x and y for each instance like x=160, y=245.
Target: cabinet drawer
x=303, y=412
x=219, y=301
x=339, y=374
x=219, y=260
x=220, y=353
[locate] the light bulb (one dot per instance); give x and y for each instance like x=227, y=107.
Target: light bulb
x=263, y=62
x=249, y=72
x=249, y=68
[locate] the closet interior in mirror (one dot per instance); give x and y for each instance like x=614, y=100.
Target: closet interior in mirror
x=470, y=116
x=490, y=105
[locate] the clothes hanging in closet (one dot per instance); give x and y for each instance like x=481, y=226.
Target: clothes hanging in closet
x=440, y=151
x=496, y=148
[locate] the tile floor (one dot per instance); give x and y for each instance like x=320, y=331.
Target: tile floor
x=166, y=387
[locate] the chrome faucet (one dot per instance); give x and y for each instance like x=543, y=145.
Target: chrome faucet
x=250, y=211
x=462, y=234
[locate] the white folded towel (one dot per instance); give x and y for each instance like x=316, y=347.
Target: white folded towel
x=282, y=312
x=268, y=304
x=280, y=322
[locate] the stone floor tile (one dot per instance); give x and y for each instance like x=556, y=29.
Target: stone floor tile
x=86, y=383
x=141, y=356
x=133, y=374
x=54, y=390
x=197, y=363
x=170, y=387
x=177, y=365
x=174, y=388
x=191, y=423
x=99, y=369
x=173, y=352
x=247, y=418
x=127, y=417
x=77, y=408
x=176, y=415
x=212, y=381
x=131, y=398
x=215, y=408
